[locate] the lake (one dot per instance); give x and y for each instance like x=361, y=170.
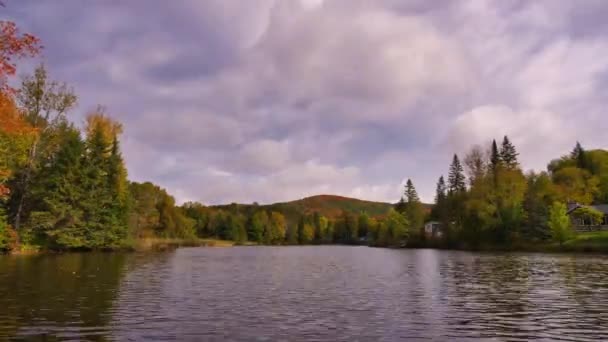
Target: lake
x=324, y=293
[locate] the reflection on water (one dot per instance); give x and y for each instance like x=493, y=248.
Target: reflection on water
x=304, y=293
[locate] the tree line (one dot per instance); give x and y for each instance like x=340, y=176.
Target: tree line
x=489, y=200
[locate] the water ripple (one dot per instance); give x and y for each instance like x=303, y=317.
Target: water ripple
x=304, y=293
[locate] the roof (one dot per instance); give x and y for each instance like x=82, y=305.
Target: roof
x=599, y=207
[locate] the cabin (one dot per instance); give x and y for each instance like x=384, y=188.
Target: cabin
x=433, y=229
x=582, y=222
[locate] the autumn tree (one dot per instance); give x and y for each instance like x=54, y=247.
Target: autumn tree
x=14, y=46
x=259, y=224
x=278, y=226
x=44, y=104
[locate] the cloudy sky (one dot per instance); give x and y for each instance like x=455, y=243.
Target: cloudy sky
x=272, y=100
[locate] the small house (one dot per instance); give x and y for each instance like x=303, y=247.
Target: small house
x=583, y=220
x=433, y=229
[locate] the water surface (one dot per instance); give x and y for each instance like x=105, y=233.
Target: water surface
x=328, y=293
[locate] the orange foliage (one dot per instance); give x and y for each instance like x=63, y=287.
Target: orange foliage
x=11, y=121
x=14, y=45
x=13, y=127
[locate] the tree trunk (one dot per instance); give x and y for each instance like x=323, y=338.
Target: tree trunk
x=25, y=185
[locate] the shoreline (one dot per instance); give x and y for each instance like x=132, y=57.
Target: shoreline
x=582, y=243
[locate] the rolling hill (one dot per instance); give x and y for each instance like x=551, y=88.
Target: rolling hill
x=330, y=206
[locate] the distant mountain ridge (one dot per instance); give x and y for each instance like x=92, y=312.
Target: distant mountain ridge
x=330, y=206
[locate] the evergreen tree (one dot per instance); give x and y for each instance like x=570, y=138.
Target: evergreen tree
x=494, y=156
x=579, y=155
x=400, y=206
x=439, y=210
x=300, y=231
x=456, y=178
x=411, y=196
x=60, y=216
x=508, y=154
x=44, y=104
x=104, y=226
x=440, y=192
x=118, y=184
x=414, y=212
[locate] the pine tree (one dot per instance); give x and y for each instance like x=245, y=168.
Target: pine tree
x=439, y=210
x=400, y=206
x=413, y=208
x=410, y=192
x=60, y=218
x=440, y=192
x=579, y=155
x=508, y=154
x=456, y=178
x=118, y=185
x=494, y=156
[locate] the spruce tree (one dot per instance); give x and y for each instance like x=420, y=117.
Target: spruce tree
x=118, y=186
x=400, y=206
x=440, y=192
x=579, y=155
x=413, y=208
x=456, y=178
x=494, y=156
x=440, y=208
x=508, y=154
x=60, y=217
x=410, y=192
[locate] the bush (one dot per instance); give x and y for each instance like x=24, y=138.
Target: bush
x=9, y=240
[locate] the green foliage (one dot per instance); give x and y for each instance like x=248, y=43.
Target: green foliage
x=275, y=235
x=44, y=105
x=440, y=209
x=508, y=155
x=589, y=214
x=494, y=156
x=393, y=231
x=413, y=210
x=559, y=223
x=8, y=236
x=259, y=223
x=540, y=194
x=308, y=234
x=574, y=184
x=456, y=178
x=238, y=233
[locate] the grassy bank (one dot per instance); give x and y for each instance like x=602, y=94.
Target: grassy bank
x=139, y=245
x=155, y=244
x=588, y=242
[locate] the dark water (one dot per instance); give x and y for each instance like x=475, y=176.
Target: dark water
x=304, y=293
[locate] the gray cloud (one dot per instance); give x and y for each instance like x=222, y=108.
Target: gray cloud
x=273, y=100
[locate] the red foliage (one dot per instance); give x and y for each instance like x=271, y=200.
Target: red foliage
x=14, y=45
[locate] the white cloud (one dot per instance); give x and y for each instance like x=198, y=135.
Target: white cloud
x=277, y=99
